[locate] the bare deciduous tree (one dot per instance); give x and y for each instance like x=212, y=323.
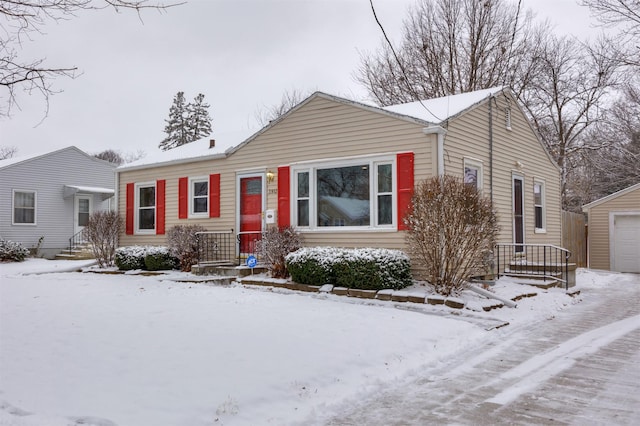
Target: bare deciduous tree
x=451, y=230
x=449, y=47
x=23, y=17
x=7, y=152
x=111, y=156
x=275, y=245
x=289, y=99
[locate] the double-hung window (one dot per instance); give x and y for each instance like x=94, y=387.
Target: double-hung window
x=538, y=204
x=199, y=197
x=24, y=207
x=473, y=173
x=146, y=207
x=351, y=194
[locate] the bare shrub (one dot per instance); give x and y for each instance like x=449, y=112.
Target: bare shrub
x=452, y=229
x=102, y=232
x=183, y=244
x=275, y=245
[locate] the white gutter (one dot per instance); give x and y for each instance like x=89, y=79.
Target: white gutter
x=440, y=132
x=485, y=293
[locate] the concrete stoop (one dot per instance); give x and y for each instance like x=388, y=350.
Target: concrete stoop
x=81, y=252
x=536, y=278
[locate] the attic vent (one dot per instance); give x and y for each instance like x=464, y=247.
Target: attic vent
x=212, y=143
x=507, y=118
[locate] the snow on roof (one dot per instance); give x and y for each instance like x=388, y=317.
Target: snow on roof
x=606, y=198
x=197, y=149
x=14, y=160
x=440, y=109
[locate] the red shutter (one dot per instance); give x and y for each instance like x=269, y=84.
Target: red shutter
x=160, y=205
x=214, y=195
x=129, y=209
x=183, y=198
x=284, y=205
x=404, y=165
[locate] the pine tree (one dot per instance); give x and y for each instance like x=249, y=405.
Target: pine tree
x=199, y=118
x=187, y=122
x=177, y=133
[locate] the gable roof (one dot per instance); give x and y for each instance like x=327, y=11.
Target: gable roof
x=25, y=158
x=426, y=113
x=610, y=197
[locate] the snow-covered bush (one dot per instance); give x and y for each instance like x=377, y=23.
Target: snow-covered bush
x=452, y=229
x=133, y=257
x=11, y=251
x=102, y=232
x=365, y=268
x=183, y=244
x=275, y=244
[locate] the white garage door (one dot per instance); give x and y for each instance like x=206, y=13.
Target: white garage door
x=626, y=244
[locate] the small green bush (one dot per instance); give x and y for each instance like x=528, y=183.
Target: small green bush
x=160, y=261
x=367, y=269
x=135, y=257
x=11, y=251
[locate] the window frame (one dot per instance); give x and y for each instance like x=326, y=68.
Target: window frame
x=137, y=188
x=191, y=195
x=472, y=163
x=372, y=162
x=542, y=206
x=13, y=207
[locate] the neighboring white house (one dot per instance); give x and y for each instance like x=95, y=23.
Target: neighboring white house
x=50, y=196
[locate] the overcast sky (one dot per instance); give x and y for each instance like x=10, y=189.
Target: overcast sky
x=241, y=54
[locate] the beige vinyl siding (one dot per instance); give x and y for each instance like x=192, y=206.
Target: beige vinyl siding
x=468, y=136
x=321, y=130
x=598, y=242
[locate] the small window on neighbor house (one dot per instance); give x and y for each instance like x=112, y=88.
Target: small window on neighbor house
x=538, y=203
x=473, y=173
x=24, y=207
x=199, y=200
x=146, y=204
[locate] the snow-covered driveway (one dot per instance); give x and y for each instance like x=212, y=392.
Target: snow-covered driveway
x=580, y=367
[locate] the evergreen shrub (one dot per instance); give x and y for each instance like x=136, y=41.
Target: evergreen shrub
x=366, y=268
x=134, y=257
x=11, y=251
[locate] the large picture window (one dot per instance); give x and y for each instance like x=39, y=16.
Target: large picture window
x=355, y=194
x=146, y=207
x=24, y=207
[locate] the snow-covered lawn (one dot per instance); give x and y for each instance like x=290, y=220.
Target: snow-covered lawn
x=98, y=349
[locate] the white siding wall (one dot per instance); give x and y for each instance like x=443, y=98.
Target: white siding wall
x=54, y=214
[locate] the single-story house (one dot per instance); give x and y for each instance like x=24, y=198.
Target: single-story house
x=342, y=172
x=614, y=231
x=47, y=198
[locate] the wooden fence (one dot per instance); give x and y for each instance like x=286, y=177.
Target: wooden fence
x=574, y=237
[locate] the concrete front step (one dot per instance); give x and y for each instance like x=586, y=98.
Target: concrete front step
x=227, y=270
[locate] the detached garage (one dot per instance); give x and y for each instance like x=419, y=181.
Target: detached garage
x=614, y=231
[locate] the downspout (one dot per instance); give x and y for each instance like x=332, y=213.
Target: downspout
x=440, y=132
x=491, y=149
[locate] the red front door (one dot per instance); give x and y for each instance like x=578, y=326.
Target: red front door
x=250, y=213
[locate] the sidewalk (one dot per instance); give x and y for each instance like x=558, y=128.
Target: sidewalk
x=580, y=367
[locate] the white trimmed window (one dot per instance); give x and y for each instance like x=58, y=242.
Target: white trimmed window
x=472, y=173
x=146, y=208
x=199, y=197
x=356, y=194
x=539, y=206
x=24, y=207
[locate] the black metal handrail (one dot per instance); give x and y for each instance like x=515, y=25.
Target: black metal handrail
x=216, y=248
x=77, y=239
x=544, y=261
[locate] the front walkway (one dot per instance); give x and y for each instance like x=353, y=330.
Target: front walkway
x=580, y=367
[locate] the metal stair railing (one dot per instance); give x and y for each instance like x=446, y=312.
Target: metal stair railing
x=544, y=261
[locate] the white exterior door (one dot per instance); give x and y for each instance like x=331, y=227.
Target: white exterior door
x=625, y=247
x=81, y=211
